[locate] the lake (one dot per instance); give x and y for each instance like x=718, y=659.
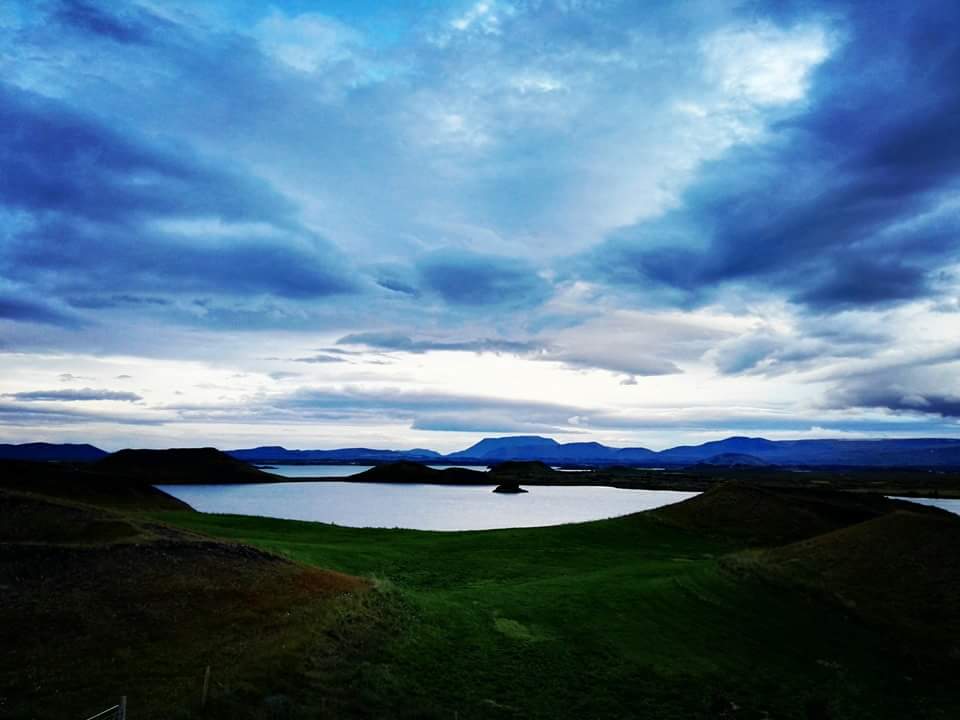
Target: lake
x=944, y=504
x=420, y=507
x=301, y=471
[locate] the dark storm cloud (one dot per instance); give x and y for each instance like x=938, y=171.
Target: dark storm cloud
x=838, y=207
x=60, y=160
x=75, y=258
x=82, y=395
x=108, y=210
x=30, y=310
x=470, y=279
x=131, y=26
x=899, y=400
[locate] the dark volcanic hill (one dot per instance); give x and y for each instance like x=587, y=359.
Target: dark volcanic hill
x=186, y=465
x=411, y=472
x=47, y=452
x=899, y=571
x=771, y=516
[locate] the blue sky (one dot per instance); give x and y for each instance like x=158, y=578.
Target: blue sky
x=414, y=224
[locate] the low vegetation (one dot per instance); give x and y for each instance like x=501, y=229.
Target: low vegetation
x=742, y=603
x=99, y=603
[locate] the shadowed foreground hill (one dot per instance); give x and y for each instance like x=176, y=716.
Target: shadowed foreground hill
x=182, y=465
x=771, y=516
x=901, y=571
x=84, y=483
x=97, y=604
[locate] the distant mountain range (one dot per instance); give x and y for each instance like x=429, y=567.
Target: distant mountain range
x=279, y=454
x=734, y=451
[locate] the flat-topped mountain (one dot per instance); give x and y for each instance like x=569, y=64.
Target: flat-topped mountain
x=46, y=452
x=534, y=447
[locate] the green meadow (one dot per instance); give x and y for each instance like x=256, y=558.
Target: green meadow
x=625, y=618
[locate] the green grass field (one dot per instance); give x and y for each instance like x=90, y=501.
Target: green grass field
x=626, y=618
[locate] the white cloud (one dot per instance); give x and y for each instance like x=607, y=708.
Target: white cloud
x=763, y=64
x=308, y=41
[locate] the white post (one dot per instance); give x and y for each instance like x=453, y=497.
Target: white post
x=206, y=687
x=123, y=708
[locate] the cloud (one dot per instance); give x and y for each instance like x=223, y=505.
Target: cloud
x=761, y=197
x=83, y=190
x=320, y=359
x=611, y=358
x=469, y=279
x=22, y=309
x=13, y=414
x=418, y=408
x=130, y=27
x=400, y=342
x=861, y=168
x=75, y=395
x=898, y=400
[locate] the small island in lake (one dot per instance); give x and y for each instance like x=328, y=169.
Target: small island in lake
x=511, y=487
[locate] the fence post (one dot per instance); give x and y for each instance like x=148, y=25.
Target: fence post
x=206, y=687
x=123, y=708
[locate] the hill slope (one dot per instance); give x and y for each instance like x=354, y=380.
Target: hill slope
x=770, y=516
x=900, y=571
x=99, y=604
x=187, y=465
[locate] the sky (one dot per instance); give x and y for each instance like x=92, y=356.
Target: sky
x=366, y=223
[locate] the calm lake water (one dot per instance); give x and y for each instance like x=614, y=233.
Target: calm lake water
x=949, y=505
x=420, y=507
x=300, y=471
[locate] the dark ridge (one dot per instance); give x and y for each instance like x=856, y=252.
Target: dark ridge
x=733, y=460
x=523, y=469
x=412, y=472
x=182, y=465
x=899, y=571
x=51, y=452
x=82, y=482
x=772, y=516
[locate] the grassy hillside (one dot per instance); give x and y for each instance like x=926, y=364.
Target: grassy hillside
x=626, y=618
x=111, y=587
x=98, y=603
x=769, y=516
x=901, y=570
